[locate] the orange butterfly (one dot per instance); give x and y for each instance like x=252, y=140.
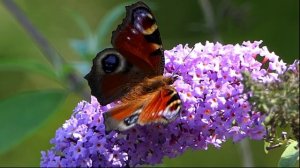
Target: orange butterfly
x=132, y=72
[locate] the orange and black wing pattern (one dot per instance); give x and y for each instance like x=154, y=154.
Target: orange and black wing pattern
x=161, y=106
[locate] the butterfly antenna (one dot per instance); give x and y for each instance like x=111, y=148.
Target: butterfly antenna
x=176, y=70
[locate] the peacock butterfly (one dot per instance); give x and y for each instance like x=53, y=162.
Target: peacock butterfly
x=132, y=72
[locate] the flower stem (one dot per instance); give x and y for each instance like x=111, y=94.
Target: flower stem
x=246, y=153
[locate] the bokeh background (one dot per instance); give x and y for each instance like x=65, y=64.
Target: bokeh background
x=38, y=95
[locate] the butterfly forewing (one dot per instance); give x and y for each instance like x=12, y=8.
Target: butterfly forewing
x=138, y=38
x=137, y=54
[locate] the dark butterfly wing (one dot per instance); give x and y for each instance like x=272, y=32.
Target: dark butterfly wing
x=138, y=39
x=137, y=54
x=111, y=76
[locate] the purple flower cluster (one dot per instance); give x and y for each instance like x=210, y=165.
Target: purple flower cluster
x=215, y=109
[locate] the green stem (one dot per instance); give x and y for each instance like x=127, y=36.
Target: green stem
x=75, y=82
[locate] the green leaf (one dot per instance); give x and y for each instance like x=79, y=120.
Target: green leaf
x=89, y=45
x=82, y=67
x=80, y=46
x=289, y=156
x=27, y=65
x=92, y=43
x=22, y=114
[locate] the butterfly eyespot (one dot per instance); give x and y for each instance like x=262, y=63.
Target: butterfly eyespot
x=131, y=120
x=144, y=21
x=110, y=63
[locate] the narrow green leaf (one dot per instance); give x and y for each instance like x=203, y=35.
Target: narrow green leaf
x=82, y=67
x=80, y=46
x=22, y=114
x=27, y=65
x=86, y=46
x=289, y=156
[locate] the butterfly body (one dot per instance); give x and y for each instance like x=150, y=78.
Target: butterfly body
x=132, y=72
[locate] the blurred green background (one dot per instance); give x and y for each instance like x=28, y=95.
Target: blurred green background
x=35, y=96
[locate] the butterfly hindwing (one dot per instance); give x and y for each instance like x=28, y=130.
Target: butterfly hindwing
x=161, y=106
x=123, y=116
